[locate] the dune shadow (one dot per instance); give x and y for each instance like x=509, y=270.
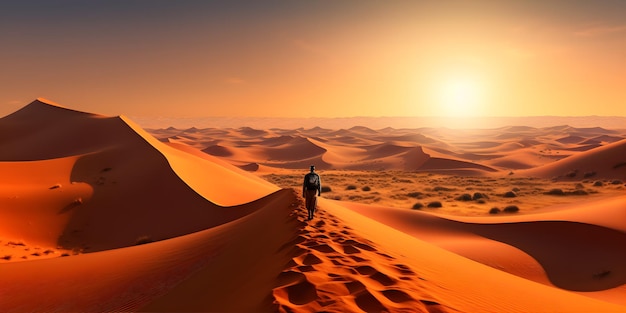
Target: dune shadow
x=135, y=194
x=575, y=256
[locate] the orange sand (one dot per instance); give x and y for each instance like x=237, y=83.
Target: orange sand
x=98, y=215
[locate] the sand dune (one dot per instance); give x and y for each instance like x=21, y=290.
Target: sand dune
x=482, y=152
x=564, y=236
x=127, y=180
x=607, y=161
x=98, y=215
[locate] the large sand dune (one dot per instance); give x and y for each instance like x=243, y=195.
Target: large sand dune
x=98, y=215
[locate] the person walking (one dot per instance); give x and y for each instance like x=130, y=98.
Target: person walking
x=311, y=188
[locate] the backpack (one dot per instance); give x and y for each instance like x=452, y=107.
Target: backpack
x=312, y=181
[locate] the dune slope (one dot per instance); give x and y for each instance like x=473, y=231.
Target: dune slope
x=608, y=161
x=116, y=183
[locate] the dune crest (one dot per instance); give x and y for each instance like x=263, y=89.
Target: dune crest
x=132, y=182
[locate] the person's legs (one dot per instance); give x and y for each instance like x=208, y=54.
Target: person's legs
x=311, y=202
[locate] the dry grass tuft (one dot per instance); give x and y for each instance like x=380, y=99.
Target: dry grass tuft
x=510, y=194
x=415, y=194
x=418, y=206
x=478, y=196
x=589, y=174
x=511, y=209
x=435, y=204
x=494, y=211
x=143, y=240
x=556, y=192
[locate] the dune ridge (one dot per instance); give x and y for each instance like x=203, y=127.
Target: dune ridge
x=128, y=178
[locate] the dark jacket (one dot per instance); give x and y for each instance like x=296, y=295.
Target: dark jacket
x=306, y=186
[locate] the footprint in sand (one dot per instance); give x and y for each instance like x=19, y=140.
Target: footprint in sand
x=371, y=286
x=324, y=248
x=403, y=269
x=433, y=307
x=368, y=303
x=311, y=259
x=299, y=290
x=397, y=296
x=375, y=275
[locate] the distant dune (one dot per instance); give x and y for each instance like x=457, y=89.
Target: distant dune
x=378, y=123
x=100, y=215
x=541, y=152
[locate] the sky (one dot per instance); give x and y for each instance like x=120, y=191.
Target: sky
x=161, y=58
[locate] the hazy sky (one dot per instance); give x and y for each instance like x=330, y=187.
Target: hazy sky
x=316, y=58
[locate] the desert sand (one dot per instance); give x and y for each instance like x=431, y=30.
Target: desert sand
x=98, y=214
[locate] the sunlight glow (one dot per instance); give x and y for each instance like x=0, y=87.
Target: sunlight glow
x=460, y=96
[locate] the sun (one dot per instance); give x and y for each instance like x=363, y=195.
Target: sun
x=460, y=95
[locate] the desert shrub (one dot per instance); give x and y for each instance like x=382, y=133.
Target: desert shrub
x=579, y=186
x=571, y=174
x=464, y=197
x=143, y=240
x=366, y=188
x=511, y=209
x=516, y=189
x=407, y=181
x=478, y=195
x=510, y=194
x=579, y=192
x=598, y=184
x=439, y=188
x=351, y=187
x=326, y=189
x=481, y=201
x=617, y=182
x=601, y=275
x=418, y=206
x=337, y=198
x=6, y=257
x=435, y=204
x=494, y=211
x=415, y=194
x=589, y=174
x=556, y=192
x=618, y=165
